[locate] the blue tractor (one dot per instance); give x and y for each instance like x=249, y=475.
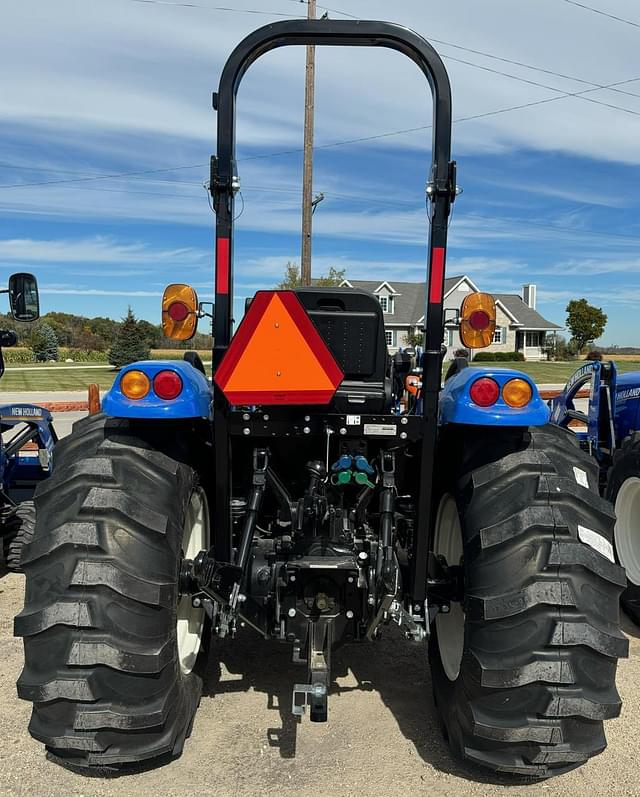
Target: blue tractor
x=610, y=432
x=289, y=500
x=26, y=442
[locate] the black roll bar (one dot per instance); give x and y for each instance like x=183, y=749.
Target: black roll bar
x=441, y=190
x=304, y=32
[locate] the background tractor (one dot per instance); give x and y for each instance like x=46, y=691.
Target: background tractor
x=27, y=438
x=290, y=498
x=610, y=432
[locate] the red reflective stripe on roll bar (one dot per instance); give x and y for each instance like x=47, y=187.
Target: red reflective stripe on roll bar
x=222, y=265
x=436, y=278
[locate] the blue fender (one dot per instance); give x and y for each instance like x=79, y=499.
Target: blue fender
x=456, y=405
x=195, y=400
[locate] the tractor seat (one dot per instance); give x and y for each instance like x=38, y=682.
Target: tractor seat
x=351, y=323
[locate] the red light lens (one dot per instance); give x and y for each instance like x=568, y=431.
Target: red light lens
x=484, y=392
x=178, y=311
x=479, y=320
x=167, y=384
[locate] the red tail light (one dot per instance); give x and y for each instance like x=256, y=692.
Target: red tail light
x=178, y=311
x=167, y=385
x=479, y=320
x=484, y=392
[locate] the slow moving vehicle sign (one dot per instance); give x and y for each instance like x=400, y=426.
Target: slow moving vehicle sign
x=277, y=356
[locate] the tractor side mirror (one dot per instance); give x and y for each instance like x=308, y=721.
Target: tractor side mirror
x=204, y=313
x=477, y=320
x=23, y=297
x=179, y=311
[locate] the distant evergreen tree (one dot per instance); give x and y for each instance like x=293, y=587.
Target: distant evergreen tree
x=44, y=343
x=130, y=343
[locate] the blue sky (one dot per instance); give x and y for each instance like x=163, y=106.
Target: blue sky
x=94, y=88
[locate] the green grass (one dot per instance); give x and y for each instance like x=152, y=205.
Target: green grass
x=78, y=378
x=555, y=373
x=72, y=379
x=60, y=364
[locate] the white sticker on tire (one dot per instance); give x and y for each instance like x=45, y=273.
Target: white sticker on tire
x=581, y=477
x=597, y=542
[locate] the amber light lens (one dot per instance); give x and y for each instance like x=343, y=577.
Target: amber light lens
x=477, y=320
x=517, y=393
x=179, y=311
x=135, y=384
x=484, y=392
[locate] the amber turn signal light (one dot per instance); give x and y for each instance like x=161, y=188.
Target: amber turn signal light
x=517, y=393
x=135, y=384
x=179, y=311
x=477, y=320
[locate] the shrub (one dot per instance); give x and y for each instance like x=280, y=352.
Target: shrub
x=499, y=357
x=485, y=357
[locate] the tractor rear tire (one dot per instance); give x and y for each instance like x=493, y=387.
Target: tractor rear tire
x=524, y=667
x=18, y=531
x=103, y=663
x=623, y=490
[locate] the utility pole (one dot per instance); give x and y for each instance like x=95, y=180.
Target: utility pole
x=307, y=169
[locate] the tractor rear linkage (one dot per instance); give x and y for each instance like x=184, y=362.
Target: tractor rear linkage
x=269, y=574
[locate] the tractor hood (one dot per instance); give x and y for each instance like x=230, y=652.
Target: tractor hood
x=627, y=404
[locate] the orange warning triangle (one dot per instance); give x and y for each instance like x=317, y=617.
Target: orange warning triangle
x=277, y=356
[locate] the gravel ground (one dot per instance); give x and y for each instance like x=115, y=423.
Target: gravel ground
x=382, y=738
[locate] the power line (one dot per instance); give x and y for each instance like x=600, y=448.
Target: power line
x=83, y=177
x=326, y=8
x=114, y=176
x=544, y=85
x=603, y=13
x=523, y=64
x=509, y=60
x=550, y=228
x=212, y=8
x=342, y=143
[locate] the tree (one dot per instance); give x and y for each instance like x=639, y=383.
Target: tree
x=152, y=334
x=414, y=339
x=586, y=322
x=130, y=344
x=44, y=343
x=86, y=340
x=556, y=348
x=293, y=279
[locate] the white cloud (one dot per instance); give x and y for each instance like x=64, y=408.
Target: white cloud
x=98, y=249
x=73, y=291
x=150, y=69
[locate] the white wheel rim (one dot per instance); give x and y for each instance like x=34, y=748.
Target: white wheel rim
x=190, y=621
x=627, y=529
x=450, y=626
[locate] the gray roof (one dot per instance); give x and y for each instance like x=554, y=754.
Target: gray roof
x=527, y=317
x=410, y=303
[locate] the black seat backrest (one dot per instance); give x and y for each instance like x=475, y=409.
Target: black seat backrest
x=351, y=323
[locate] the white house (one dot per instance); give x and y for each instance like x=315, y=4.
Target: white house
x=519, y=326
